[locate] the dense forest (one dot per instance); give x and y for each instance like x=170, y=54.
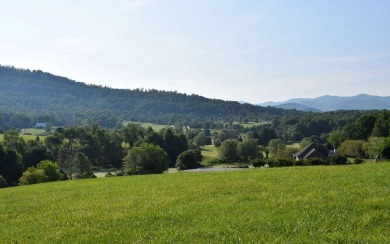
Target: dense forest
x=60, y=101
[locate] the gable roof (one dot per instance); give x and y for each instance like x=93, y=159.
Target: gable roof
x=312, y=150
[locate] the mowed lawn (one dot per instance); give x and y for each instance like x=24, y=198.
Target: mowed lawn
x=339, y=204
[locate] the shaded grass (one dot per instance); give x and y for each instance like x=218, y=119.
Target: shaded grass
x=209, y=151
x=340, y=204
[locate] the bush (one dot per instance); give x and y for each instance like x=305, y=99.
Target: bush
x=258, y=162
x=3, y=182
x=337, y=159
x=145, y=159
x=89, y=175
x=52, y=171
x=315, y=161
x=271, y=162
x=358, y=161
x=187, y=160
x=212, y=161
x=33, y=176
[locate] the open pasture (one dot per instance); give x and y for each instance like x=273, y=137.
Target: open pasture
x=155, y=127
x=338, y=204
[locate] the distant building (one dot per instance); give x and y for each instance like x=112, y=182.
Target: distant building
x=40, y=125
x=314, y=150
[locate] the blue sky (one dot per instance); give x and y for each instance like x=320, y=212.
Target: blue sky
x=255, y=51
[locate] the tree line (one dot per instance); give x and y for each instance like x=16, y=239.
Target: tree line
x=73, y=152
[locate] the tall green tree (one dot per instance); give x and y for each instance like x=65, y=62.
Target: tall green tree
x=145, y=159
x=11, y=165
x=228, y=150
x=248, y=149
x=13, y=141
x=81, y=166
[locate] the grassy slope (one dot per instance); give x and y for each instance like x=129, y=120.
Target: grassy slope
x=210, y=151
x=302, y=204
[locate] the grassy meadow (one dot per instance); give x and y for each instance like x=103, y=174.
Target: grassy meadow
x=209, y=151
x=155, y=127
x=341, y=204
x=25, y=137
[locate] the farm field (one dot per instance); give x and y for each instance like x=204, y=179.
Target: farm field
x=340, y=204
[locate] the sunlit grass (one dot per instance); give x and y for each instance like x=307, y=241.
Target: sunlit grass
x=251, y=124
x=25, y=137
x=155, y=127
x=209, y=151
x=339, y=204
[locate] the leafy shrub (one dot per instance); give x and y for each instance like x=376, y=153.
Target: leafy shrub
x=3, y=182
x=33, y=176
x=145, y=159
x=284, y=162
x=358, y=161
x=315, y=161
x=337, y=159
x=51, y=169
x=187, y=160
x=89, y=175
x=212, y=161
x=258, y=162
x=271, y=162
x=301, y=163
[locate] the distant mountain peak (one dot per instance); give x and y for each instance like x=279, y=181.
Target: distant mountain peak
x=332, y=103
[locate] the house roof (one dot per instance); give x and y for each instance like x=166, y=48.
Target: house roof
x=304, y=151
x=312, y=150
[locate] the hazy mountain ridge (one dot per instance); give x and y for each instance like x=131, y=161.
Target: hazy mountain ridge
x=333, y=103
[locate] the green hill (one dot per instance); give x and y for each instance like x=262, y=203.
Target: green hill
x=64, y=101
x=334, y=204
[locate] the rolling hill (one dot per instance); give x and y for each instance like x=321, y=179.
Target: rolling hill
x=65, y=101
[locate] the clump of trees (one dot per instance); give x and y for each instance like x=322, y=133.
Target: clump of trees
x=189, y=159
x=45, y=171
x=77, y=150
x=233, y=150
x=145, y=159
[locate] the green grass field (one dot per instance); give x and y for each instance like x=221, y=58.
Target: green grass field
x=155, y=127
x=25, y=137
x=337, y=204
x=209, y=151
x=251, y=124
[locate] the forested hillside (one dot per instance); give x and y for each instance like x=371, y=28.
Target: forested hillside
x=43, y=96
